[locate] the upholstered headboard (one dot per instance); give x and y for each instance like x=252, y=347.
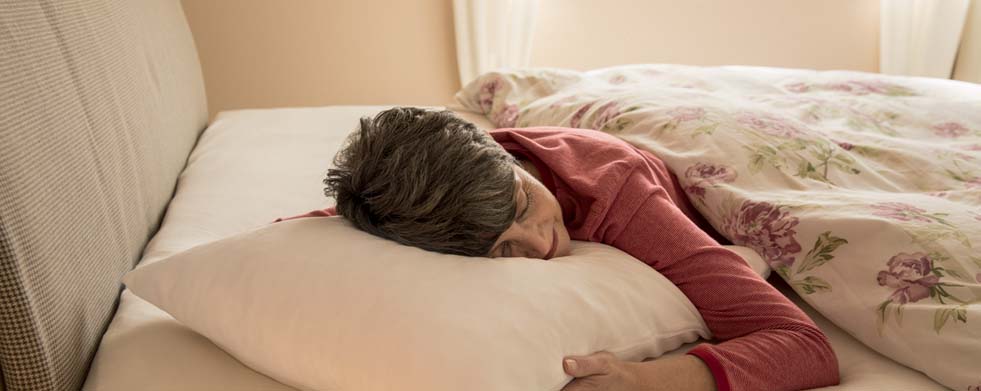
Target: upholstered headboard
x=100, y=103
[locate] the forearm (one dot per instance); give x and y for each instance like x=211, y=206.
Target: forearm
x=760, y=328
x=794, y=357
x=682, y=373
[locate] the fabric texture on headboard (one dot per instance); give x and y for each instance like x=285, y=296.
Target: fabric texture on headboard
x=101, y=102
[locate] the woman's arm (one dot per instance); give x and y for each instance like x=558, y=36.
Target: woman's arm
x=328, y=212
x=769, y=343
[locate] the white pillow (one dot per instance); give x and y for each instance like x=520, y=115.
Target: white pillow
x=320, y=305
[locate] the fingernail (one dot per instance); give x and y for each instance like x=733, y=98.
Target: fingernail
x=570, y=365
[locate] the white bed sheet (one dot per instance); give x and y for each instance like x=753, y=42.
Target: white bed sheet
x=252, y=166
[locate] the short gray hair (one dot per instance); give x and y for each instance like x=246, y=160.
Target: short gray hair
x=427, y=179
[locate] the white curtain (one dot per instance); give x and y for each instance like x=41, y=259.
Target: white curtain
x=492, y=34
x=920, y=37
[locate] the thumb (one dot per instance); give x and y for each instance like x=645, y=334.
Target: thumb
x=593, y=364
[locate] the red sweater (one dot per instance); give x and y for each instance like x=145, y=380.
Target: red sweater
x=613, y=193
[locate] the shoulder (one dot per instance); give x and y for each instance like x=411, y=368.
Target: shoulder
x=588, y=160
x=556, y=132
x=572, y=141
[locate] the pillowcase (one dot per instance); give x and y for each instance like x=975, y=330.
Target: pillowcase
x=320, y=305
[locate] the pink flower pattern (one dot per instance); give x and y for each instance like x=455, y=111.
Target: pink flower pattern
x=869, y=87
x=845, y=145
x=797, y=87
x=911, y=275
x=487, y=92
x=900, y=211
x=764, y=227
x=701, y=175
x=557, y=104
x=605, y=114
x=973, y=183
x=768, y=124
x=577, y=116
x=842, y=87
x=684, y=114
x=507, y=117
x=949, y=129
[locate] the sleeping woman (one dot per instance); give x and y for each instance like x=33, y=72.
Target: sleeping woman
x=432, y=180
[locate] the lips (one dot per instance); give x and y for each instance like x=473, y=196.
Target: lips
x=555, y=245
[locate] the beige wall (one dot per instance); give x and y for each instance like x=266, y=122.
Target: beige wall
x=266, y=53
x=273, y=53
x=968, y=67
x=819, y=34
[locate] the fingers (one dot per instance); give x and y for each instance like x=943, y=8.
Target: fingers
x=593, y=364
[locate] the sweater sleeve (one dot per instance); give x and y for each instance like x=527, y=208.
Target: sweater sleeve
x=769, y=343
x=328, y=212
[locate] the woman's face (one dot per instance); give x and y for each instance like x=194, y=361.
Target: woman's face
x=537, y=230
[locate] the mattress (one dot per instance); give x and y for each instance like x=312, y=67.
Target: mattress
x=252, y=166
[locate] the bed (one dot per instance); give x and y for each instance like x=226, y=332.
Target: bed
x=252, y=166
x=105, y=163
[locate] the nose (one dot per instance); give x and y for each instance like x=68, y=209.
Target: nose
x=537, y=241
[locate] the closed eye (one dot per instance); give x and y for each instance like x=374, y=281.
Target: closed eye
x=528, y=203
x=505, y=248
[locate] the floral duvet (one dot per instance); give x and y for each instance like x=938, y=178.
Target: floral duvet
x=862, y=191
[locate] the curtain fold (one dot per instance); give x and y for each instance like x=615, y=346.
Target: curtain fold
x=492, y=34
x=920, y=37
x=968, y=66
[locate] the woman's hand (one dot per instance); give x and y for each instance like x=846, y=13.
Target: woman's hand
x=599, y=371
x=602, y=371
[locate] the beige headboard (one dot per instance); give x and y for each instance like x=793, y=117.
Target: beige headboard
x=100, y=103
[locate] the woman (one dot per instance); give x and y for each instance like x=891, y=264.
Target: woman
x=431, y=180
